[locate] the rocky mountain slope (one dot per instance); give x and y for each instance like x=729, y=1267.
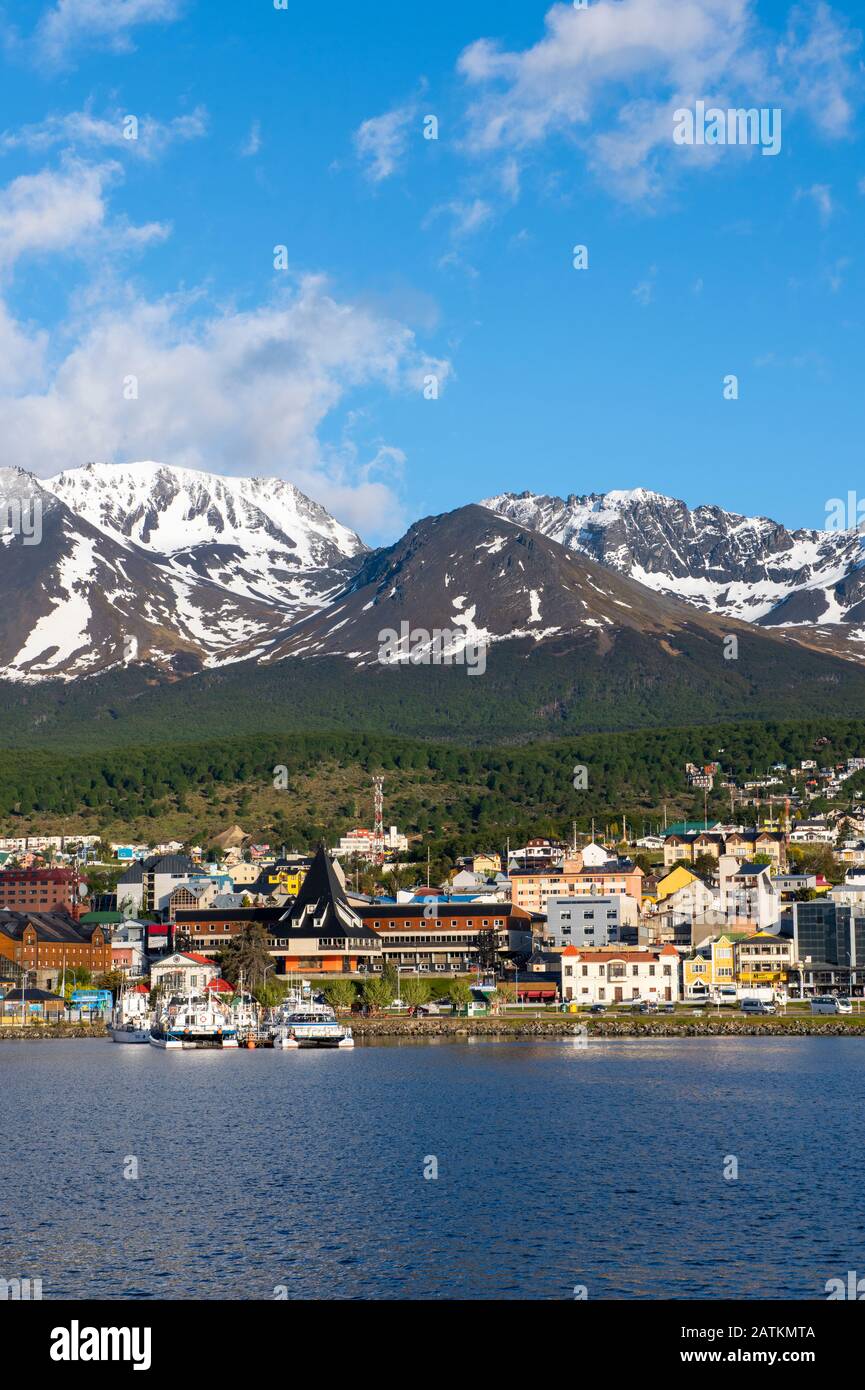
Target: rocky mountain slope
x=101, y=567
x=747, y=567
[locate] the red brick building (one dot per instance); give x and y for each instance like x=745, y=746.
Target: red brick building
x=51, y=944
x=36, y=890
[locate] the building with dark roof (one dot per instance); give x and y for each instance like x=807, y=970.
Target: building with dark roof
x=320, y=931
x=52, y=943
x=448, y=936
x=211, y=929
x=147, y=885
x=31, y=1006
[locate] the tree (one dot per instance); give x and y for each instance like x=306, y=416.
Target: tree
x=460, y=994
x=248, y=953
x=113, y=980
x=270, y=993
x=705, y=865
x=376, y=993
x=340, y=994
x=415, y=991
x=391, y=979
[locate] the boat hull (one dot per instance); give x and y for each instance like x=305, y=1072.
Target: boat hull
x=193, y=1043
x=331, y=1042
x=129, y=1035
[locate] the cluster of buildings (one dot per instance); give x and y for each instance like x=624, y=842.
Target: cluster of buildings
x=719, y=909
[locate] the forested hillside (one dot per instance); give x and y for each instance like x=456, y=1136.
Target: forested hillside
x=437, y=791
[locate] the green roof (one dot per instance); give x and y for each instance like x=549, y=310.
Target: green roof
x=102, y=919
x=686, y=827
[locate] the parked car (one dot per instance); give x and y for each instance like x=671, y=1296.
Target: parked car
x=756, y=1006
x=427, y=1010
x=597, y=1008
x=667, y=1008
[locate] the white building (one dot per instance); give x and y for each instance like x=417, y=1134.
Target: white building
x=594, y=856
x=182, y=973
x=851, y=892
x=812, y=833
x=362, y=844
x=618, y=975
x=747, y=891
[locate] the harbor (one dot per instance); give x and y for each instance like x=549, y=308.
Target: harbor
x=612, y=1156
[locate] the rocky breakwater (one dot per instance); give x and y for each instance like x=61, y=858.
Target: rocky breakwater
x=44, y=1032
x=565, y=1026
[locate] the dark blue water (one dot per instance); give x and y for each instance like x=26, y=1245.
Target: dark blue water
x=557, y=1166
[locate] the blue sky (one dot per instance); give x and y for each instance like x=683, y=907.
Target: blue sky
x=408, y=258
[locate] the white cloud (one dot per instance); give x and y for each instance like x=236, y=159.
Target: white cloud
x=217, y=388
x=235, y=392
x=467, y=215
x=817, y=65
x=81, y=129
x=252, y=143
x=608, y=78
x=381, y=142
x=820, y=195
x=71, y=24
x=64, y=212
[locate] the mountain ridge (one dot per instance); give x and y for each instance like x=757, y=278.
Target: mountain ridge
x=188, y=571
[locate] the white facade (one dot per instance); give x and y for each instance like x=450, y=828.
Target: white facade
x=850, y=892
x=748, y=895
x=183, y=973
x=620, y=975
x=362, y=843
x=594, y=856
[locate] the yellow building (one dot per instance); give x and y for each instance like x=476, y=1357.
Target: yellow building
x=487, y=864
x=713, y=965
x=677, y=878
x=281, y=878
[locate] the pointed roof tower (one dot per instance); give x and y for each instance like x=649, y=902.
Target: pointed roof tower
x=321, y=908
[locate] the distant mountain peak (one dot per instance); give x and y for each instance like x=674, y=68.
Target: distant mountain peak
x=746, y=567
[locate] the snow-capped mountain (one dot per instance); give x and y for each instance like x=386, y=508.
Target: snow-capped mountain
x=101, y=567
x=259, y=538
x=184, y=571
x=484, y=580
x=747, y=567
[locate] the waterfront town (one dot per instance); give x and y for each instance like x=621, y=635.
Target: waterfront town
x=752, y=916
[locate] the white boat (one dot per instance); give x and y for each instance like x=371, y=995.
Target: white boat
x=309, y=1024
x=245, y=1015
x=193, y=1022
x=130, y=1021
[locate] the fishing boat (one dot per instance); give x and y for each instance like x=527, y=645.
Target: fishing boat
x=130, y=1021
x=193, y=1022
x=245, y=1012
x=309, y=1024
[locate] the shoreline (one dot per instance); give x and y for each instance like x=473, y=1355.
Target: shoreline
x=418, y=1030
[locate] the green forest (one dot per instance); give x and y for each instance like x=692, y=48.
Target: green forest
x=442, y=793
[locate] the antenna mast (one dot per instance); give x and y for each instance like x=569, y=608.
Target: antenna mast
x=378, y=827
